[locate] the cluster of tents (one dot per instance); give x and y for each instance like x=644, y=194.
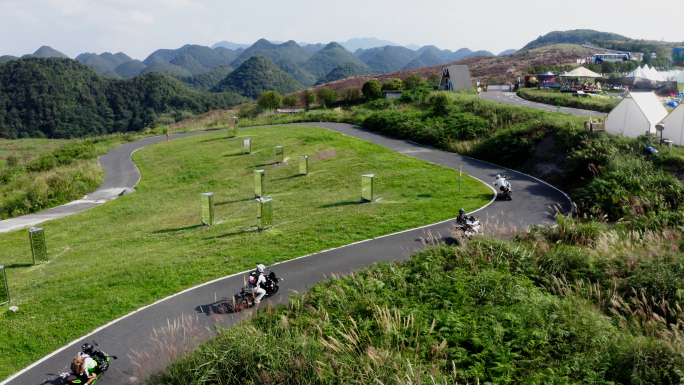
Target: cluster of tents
x=640, y=112
x=649, y=78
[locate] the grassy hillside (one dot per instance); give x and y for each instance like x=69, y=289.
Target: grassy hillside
x=207, y=80
x=330, y=57
x=256, y=75
x=301, y=75
x=343, y=71
x=206, y=56
x=290, y=51
x=130, y=69
x=62, y=98
x=575, y=36
x=426, y=59
x=389, y=59
x=154, y=246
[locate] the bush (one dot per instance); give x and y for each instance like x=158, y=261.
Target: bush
x=372, y=89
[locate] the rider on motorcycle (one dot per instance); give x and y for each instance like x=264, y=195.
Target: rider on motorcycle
x=258, y=283
x=500, y=182
x=461, y=218
x=90, y=365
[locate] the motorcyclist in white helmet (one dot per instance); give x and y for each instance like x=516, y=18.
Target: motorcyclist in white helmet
x=500, y=182
x=258, y=282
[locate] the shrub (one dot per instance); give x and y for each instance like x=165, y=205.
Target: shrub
x=372, y=89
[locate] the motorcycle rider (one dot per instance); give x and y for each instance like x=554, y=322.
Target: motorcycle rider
x=500, y=182
x=258, y=283
x=90, y=365
x=461, y=218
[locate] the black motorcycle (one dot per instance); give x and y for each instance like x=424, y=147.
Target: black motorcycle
x=245, y=298
x=102, y=360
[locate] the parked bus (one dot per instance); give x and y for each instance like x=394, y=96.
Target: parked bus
x=612, y=57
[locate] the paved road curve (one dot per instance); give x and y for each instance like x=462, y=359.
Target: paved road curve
x=513, y=99
x=532, y=203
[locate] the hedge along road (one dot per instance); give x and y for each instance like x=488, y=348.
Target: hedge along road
x=514, y=100
x=532, y=204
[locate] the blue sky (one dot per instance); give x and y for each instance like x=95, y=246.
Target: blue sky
x=138, y=27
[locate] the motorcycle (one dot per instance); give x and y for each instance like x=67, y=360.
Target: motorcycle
x=507, y=190
x=102, y=360
x=245, y=298
x=469, y=229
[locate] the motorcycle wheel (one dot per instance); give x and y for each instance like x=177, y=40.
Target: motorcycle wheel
x=240, y=303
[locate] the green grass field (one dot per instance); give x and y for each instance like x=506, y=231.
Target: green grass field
x=28, y=148
x=111, y=260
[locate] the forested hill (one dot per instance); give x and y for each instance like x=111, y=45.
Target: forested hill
x=576, y=36
x=62, y=98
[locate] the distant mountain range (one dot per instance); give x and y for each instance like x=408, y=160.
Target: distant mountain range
x=307, y=64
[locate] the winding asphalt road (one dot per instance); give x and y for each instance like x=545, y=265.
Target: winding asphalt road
x=513, y=99
x=532, y=205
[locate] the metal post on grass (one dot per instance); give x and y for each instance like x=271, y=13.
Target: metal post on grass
x=259, y=177
x=247, y=145
x=279, y=154
x=264, y=213
x=460, y=174
x=38, y=248
x=303, y=165
x=207, y=208
x=367, y=187
x=4, y=289
x=233, y=126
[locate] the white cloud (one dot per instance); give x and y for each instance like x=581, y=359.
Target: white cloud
x=141, y=18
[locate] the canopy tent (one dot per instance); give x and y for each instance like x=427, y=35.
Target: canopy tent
x=637, y=114
x=581, y=72
x=674, y=126
x=644, y=77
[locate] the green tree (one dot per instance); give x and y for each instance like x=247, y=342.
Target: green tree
x=290, y=101
x=269, y=100
x=392, y=85
x=433, y=79
x=351, y=94
x=412, y=81
x=372, y=89
x=307, y=97
x=327, y=96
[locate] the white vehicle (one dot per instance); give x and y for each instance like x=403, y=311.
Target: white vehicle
x=469, y=229
x=504, y=186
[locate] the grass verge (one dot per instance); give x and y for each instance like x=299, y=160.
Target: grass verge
x=148, y=245
x=579, y=303
x=557, y=98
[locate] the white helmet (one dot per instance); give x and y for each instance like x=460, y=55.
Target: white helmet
x=498, y=176
x=261, y=268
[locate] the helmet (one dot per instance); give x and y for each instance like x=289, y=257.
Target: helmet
x=261, y=268
x=461, y=212
x=87, y=348
x=498, y=176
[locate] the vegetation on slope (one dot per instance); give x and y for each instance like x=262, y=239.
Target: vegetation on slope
x=276, y=52
x=343, y=71
x=330, y=57
x=256, y=75
x=556, y=98
x=579, y=303
x=62, y=98
x=576, y=36
x=207, y=80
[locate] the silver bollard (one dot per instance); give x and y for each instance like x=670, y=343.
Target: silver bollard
x=247, y=146
x=259, y=177
x=367, y=187
x=264, y=213
x=303, y=165
x=207, y=208
x=233, y=126
x=38, y=248
x=279, y=154
x=4, y=295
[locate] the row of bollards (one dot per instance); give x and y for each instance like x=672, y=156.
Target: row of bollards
x=264, y=212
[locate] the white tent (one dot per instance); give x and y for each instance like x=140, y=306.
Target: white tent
x=674, y=126
x=637, y=114
x=680, y=77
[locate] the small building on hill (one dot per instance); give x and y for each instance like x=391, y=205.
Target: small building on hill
x=456, y=77
x=637, y=114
